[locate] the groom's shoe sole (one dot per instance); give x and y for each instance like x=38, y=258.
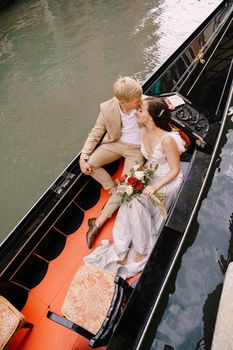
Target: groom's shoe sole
x=92, y=233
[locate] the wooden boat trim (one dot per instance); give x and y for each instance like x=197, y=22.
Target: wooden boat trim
x=203, y=49
x=212, y=53
x=181, y=49
x=228, y=79
x=53, y=184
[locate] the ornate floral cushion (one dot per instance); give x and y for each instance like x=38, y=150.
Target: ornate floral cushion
x=89, y=297
x=11, y=319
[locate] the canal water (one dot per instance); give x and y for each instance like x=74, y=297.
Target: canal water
x=58, y=61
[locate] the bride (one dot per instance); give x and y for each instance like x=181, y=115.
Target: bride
x=138, y=222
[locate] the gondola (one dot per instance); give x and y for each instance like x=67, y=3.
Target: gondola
x=40, y=256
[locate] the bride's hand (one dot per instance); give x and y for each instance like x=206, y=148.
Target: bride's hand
x=149, y=190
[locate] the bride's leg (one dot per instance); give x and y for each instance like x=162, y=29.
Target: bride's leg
x=139, y=257
x=141, y=222
x=125, y=260
x=122, y=228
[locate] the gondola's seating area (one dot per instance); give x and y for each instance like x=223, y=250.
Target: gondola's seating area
x=93, y=304
x=46, y=288
x=11, y=321
x=55, y=252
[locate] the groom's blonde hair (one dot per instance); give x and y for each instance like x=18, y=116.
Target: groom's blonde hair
x=127, y=88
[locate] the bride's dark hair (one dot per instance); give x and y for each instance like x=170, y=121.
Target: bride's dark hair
x=159, y=112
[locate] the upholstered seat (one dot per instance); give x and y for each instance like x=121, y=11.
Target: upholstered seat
x=93, y=304
x=11, y=320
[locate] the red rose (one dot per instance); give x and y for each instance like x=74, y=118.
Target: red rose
x=139, y=185
x=131, y=181
x=142, y=167
x=123, y=178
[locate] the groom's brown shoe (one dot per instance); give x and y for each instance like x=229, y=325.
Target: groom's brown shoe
x=92, y=232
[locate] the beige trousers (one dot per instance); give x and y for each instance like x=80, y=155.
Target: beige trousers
x=105, y=154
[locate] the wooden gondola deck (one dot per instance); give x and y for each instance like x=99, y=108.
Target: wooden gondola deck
x=51, y=291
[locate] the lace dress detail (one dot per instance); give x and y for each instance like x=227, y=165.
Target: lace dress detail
x=157, y=157
x=138, y=222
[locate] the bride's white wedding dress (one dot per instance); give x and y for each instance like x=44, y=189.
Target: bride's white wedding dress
x=138, y=222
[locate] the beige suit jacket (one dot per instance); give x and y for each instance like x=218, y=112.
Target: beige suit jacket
x=108, y=124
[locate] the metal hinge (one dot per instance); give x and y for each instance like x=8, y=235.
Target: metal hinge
x=67, y=178
x=200, y=142
x=199, y=58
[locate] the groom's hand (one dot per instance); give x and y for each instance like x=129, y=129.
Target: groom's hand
x=85, y=167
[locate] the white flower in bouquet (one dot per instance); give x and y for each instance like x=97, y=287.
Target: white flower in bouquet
x=139, y=175
x=121, y=189
x=133, y=183
x=129, y=190
x=137, y=166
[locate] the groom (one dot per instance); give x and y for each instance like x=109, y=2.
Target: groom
x=118, y=129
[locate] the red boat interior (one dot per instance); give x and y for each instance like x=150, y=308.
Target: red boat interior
x=69, y=247
x=41, y=274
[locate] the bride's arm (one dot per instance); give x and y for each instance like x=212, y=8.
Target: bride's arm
x=171, y=152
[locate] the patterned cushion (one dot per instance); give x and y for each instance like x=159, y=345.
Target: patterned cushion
x=11, y=319
x=89, y=297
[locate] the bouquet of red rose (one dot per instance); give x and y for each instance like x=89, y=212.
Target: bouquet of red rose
x=133, y=183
